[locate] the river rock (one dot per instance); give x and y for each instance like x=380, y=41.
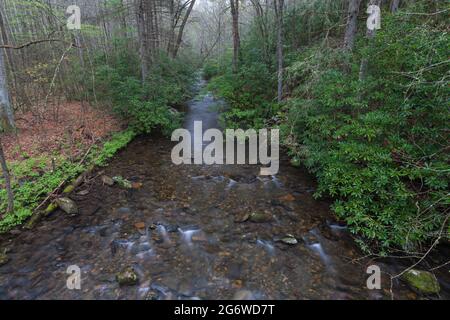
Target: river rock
x=69, y=189
x=290, y=240
x=261, y=217
x=35, y=218
x=136, y=185
x=83, y=193
x=287, y=198
x=152, y=295
x=128, y=277
x=422, y=281
x=140, y=226
x=243, y=217
x=123, y=183
x=243, y=295
x=67, y=205
x=107, y=180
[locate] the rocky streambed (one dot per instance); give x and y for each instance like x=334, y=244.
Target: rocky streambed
x=194, y=232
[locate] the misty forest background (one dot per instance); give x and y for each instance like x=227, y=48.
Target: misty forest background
x=366, y=112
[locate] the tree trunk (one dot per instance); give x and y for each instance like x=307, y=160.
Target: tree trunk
x=171, y=36
x=352, y=24
x=394, y=5
x=279, y=6
x=181, y=31
x=236, y=38
x=7, y=178
x=370, y=34
x=142, y=35
x=6, y=111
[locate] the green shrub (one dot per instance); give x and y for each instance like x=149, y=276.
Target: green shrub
x=150, y=106
x=378, y=147
x=33, y=180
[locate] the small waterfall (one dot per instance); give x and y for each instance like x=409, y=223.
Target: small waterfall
x=231, y=184
x=336, y=226
x=186, y=235
x=267, y=245
x=163, y=231
x=277, y=182
x=314, y=243
x=317, y=247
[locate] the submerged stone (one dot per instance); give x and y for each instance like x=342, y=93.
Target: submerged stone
x=242, y=218
x=128, y=277
x=243, y=295
x=422, y=281
x=260, y=217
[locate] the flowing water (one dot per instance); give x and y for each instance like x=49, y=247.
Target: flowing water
x=197, y=242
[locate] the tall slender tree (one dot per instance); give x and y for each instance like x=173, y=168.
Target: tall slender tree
x=182, y=26
x=234, y=5
x=370, y=34
x=352, y=24
x=6, y=123
x=279, y=12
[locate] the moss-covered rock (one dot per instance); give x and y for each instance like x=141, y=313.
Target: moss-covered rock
x=128, y=277
x=35, y=218
x=51, y=208
x=123, y=183
x=422, y=281
x=257, y=217
x=295, y=162
x=69, y=189
x=67, y=205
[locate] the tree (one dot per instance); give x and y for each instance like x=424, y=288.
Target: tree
x=234, y=5
x=6, y=123
x=143, y=37
x=279, y=6
x=370, y=34
x=352, y=24
x=183, y=25
x=394, y=5
x=261, y=22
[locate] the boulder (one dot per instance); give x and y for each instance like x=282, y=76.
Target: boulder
x=422, y=281
x=67, y=205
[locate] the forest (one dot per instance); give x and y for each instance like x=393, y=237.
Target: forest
x=92, y=90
